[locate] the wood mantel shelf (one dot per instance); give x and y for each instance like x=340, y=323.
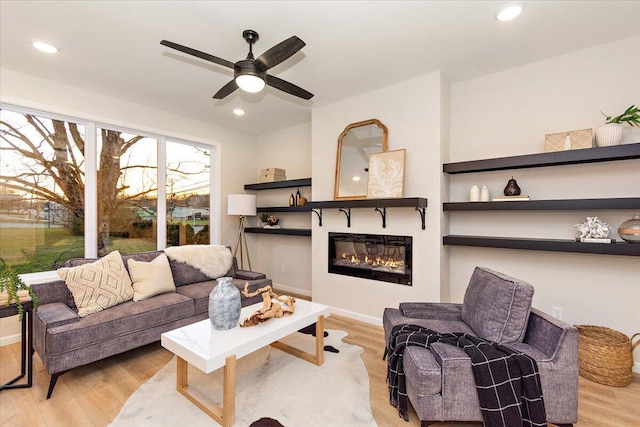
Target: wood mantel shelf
x=380, y=205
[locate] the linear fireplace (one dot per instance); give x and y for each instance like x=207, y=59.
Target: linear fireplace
x=371, y=256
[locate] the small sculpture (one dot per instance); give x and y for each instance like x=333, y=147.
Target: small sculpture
x=593, y=228
x=271, y=305
x=273, y=220
x=512, y=188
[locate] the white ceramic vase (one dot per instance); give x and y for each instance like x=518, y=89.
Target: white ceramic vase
x=609, y=134
x=224, y=305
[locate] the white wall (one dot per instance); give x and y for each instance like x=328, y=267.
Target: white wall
x=285, y=259
x=508, y=113
x=237, y=150
x=412, y=112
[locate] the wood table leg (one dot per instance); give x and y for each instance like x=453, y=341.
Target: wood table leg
x=223, y=415
x=318, y=358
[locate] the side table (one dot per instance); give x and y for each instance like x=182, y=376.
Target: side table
x=27, y=344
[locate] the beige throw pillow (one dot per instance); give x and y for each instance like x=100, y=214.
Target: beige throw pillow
x=151, y=278
x=99, y=285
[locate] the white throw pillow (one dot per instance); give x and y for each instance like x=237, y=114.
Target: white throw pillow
x=99, y=285
x=151, y=278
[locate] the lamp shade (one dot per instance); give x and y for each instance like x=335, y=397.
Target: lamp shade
x=241, y=204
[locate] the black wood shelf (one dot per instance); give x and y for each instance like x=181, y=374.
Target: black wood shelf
x=569, y=157
x=550, y=245
x=379, y=205
x=279, y=231
x=291, y=183
x=546, y=205
x=290, y=209
x=408, y=202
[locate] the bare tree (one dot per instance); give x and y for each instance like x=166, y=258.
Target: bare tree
x=53, y=151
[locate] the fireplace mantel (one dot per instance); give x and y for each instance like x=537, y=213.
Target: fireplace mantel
x=380, y=205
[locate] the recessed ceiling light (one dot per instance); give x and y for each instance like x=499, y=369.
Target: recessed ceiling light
x=356, y=178
x=45, y=47
x=238, y=111
x=509, y=12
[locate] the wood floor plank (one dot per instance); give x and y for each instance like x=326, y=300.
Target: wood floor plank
x=92, y=395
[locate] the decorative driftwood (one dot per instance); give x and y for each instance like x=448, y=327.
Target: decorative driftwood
x=271, y=305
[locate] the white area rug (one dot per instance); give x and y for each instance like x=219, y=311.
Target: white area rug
x=270, y=383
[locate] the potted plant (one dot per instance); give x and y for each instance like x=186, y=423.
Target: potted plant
x=14, y=291
x=611, y=132
x=264, y=217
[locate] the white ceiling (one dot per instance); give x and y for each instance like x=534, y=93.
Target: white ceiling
x=113, y=47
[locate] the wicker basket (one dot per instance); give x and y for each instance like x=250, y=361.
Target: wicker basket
x=605, y=356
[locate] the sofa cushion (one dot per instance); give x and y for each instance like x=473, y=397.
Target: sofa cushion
x=497, y=306
x=199, y=293
x=150, y=278
x=124, y=319
x=99, y=285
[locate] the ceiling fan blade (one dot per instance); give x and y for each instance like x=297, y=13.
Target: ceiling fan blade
x=197, y=53
x=280, y=52
x=227, y=89
x=285, y=86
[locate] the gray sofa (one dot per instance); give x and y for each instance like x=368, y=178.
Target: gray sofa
x=63, y=340
x=439, y=381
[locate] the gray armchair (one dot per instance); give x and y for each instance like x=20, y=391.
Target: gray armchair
x=439, y=381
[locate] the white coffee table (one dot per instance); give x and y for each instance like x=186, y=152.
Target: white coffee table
x=208, y=349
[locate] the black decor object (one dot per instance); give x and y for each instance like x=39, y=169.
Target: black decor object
x=512, y=188
x=257, y=67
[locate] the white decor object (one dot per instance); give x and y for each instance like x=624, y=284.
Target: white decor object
x=593, y=228
x=474, y=194
x=484, y=194
x=386, y=175
x=609, y=134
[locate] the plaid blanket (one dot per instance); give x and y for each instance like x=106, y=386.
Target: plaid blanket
x=507, y=381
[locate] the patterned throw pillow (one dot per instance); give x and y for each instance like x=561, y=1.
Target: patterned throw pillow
x=151, y=278
x=99, y=285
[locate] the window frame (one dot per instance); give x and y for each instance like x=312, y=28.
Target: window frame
x=91, y=174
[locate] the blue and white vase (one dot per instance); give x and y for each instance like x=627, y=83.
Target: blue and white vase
x=224, y=305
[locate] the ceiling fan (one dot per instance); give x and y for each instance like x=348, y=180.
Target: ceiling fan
x=250, y=74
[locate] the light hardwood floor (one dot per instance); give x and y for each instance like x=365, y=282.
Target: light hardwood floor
x=93, y=395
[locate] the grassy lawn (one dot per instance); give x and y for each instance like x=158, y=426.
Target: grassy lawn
x=29, y=250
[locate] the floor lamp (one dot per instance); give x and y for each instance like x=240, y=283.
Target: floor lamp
x=243, y=205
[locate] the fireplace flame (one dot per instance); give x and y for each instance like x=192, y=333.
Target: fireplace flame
x=372, y=262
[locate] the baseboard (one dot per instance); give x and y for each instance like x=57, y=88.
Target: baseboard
x=10, y=339
x=293, y=290
x=357, y=316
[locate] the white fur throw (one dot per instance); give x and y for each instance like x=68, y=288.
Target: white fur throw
x=212, y=260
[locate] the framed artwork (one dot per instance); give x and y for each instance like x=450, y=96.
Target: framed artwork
x=386, y=175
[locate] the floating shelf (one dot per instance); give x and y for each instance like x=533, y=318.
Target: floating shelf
x=291, y=183
x=551, y=245
x=568, y=157
x=380, y=205
x=291, y=209
x=280, y=231
x=546, y=205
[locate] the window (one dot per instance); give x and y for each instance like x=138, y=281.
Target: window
x=127, y=193
x=188, y=194
x=58, y=174
x=41, y=191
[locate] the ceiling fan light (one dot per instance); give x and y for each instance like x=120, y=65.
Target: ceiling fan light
x=250, y=83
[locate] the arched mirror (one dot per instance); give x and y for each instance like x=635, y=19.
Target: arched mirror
x=355, y=144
